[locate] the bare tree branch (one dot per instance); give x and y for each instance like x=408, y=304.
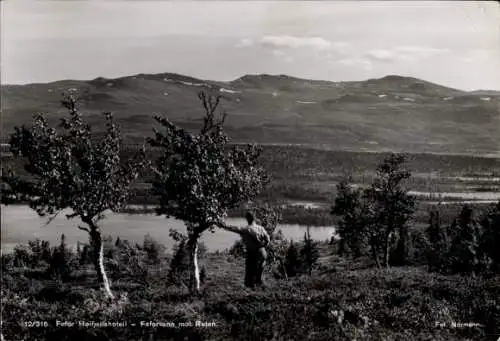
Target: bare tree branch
x=83, y=228
x=51, y=219
x=72, y=215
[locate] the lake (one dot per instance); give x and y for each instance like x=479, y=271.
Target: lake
x=488, y=195
x=21, y=224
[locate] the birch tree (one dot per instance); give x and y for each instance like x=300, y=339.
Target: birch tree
x=391, y=208
x=199, y=177
x=378, y=215
x=71, y=169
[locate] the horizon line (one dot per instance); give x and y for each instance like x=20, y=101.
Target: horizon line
x=235, y=79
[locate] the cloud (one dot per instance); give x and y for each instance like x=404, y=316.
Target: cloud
x=356, y=62
x=294, y=42
x=419, y=52
x=404, y=53
x=389, y=55
x=288, y=47
x=317, y=43
x=476, y=55
x=382, y=55
x=245, y=42
x=282, y=54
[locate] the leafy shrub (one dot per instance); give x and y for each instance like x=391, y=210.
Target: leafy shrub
x=350, y=208
x=7, y=262
x=464, y=236
x=58, y=261
x=490, y=239
x=438, y=242
x=62, y=261
x=293, y=264
x=22, y=257
x=40, y=251
x=84, y=254
x=154, y=250
x=179, y=265
x=129, y=261
x=418, y=247
x=94, y=305
x=309, y=253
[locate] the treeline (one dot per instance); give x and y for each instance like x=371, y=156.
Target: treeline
x=468, y=245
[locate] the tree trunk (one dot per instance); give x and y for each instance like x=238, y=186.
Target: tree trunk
x=377, y=260
x=375, y=254
x=402, y=247
x=194, y=277
x=98, y=255
x=341, y=250
x=284, y=269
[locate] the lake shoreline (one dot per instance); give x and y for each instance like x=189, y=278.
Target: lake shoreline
x=20, y=224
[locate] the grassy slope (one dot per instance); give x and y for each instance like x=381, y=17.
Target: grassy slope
x=395, y=304
x=411, y=115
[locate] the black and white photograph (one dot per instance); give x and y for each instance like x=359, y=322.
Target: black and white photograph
x=250, y=170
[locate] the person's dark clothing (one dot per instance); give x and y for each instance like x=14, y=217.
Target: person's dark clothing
x=255, y=238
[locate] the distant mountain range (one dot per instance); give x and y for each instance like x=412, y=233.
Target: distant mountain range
x=391, y=113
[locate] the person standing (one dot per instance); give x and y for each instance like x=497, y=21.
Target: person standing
x=255, y=238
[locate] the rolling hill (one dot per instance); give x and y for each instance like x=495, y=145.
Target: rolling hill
x=391, y=113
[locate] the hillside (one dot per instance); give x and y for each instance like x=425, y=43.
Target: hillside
x=390, y=113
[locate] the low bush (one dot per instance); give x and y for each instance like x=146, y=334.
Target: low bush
x=293, y=262
x=154, y=250
x=63, y=261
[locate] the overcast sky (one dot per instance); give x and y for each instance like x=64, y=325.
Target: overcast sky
x=452, y=43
